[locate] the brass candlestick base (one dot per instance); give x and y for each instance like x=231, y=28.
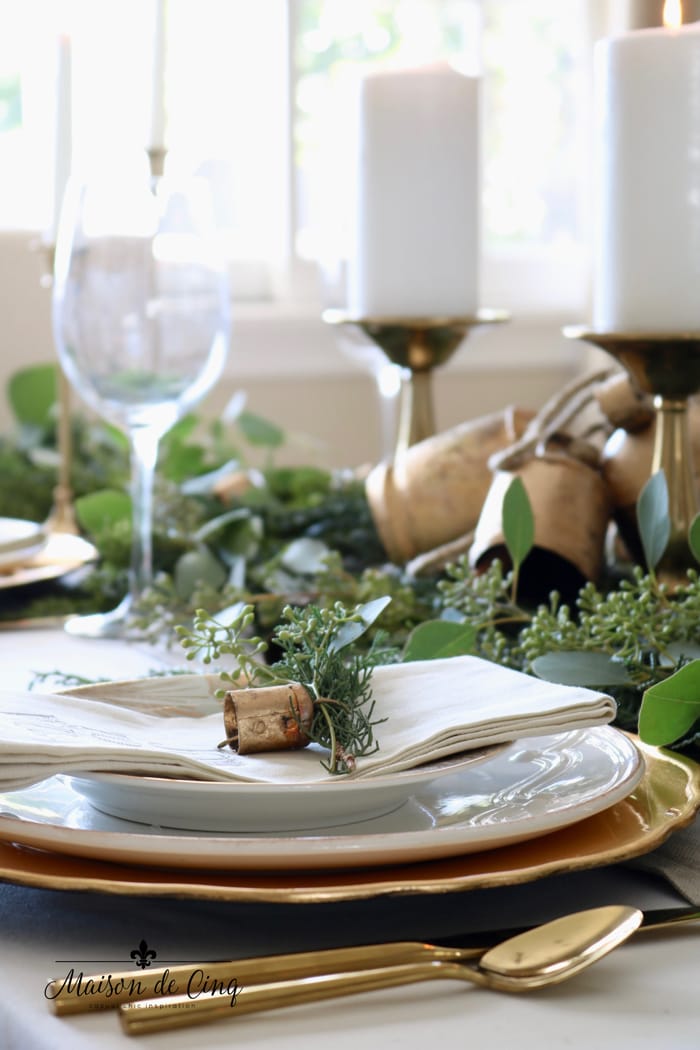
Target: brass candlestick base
x=418, y=345
x=666, y=366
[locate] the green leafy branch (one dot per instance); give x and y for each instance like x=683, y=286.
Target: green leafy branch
x=640, y=641
x=318, y=650
x=292, y=535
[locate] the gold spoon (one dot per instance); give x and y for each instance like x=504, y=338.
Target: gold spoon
x=88, y=992
x=542, y=956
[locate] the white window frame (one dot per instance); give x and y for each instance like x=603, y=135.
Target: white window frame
x=542, y=292
x=284, y=335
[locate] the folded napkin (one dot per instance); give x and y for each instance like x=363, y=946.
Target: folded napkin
x=433, y=709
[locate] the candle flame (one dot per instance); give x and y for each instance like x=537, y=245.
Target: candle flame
x=673, y=14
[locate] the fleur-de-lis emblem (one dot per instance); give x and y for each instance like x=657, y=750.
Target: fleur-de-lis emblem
x=143, y=955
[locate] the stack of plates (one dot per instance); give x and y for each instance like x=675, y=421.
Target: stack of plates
x=20, y=541
x=30, y=554
x=528, y=809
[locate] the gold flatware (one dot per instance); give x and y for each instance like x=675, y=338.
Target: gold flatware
x=542, y=956
x=96, y=993
x=93, y=992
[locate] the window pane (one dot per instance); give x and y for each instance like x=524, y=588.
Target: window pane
x=225, y=96
x=535, y=60
x=228, y=112
x=25, y=115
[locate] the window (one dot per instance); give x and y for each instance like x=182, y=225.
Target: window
x=535, y=59
x=247, y=92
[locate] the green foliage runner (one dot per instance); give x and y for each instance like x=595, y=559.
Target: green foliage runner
x=234, y=529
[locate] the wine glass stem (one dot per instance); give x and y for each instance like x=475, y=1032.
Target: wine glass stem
x=144, y=453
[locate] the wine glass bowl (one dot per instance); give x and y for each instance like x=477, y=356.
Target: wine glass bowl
x=140, y=315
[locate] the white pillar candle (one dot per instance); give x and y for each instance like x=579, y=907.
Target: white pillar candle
x=63, y=129
x=647, y=251
x=416, y=223
x=157, y=129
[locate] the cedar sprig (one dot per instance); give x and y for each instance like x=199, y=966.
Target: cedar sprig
x=319, y=652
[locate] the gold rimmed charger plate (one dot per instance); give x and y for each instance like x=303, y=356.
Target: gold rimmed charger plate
x=667, y=798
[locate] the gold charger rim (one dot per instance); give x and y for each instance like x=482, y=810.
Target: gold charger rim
x=666, y=799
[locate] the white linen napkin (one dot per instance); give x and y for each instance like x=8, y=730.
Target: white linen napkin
x=433, y=709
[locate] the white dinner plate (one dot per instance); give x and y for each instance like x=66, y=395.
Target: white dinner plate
x=58, y=555
x=530, y=788
x=242, y=807
x=20, y=540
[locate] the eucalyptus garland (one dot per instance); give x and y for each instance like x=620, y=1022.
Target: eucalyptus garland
x=234, y=528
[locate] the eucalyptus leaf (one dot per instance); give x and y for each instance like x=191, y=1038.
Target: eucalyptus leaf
x=204, y=484
x=181, y=431
x=518, y=522
x=259, y=431
x=236, y=533
x=581, y=668
x=305, y=556
x=180, y=462
x=242, y=542
x=230, y=614
x=694, y=537
x=434, y=639
x=349, y=632
x=278, y=581
x=179, y=458
x=653, y=518
x=114, y=437
x=32, y=393
x=99, y=510
x=197, y=567
x=48, y=458
x=671, y=707
x=237, y=566
x=210, y=528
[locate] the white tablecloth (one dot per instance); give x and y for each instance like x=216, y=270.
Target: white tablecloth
x=644, y=995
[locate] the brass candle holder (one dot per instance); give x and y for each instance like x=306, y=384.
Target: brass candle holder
x=62, y=515
x=418, y=345
x=667, y=366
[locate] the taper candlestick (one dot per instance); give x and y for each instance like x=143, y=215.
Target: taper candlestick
x=418, y=345
x=62, y=515
x=156, y=161
x=667, y=366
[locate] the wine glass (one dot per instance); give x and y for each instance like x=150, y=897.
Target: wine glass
x=140, y=317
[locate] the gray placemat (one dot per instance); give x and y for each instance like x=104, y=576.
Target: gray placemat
x=677, y=861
